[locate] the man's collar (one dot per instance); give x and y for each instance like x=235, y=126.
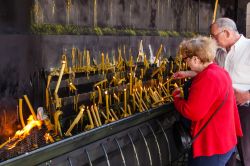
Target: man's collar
x=237, y=43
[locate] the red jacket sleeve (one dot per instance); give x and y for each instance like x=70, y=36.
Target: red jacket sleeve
x=202, y=95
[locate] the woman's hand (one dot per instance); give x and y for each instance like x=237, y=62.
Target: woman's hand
x=176, y=93
x=184, y=74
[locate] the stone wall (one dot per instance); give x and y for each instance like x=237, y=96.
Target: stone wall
x=15, y=16
x=181, y=15
x=178, y=15
x=23, y=57
x=248, y=20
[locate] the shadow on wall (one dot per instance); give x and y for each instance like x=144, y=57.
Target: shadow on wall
x=9, y=80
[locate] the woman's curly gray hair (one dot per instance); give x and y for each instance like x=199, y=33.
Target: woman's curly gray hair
x=202, y=47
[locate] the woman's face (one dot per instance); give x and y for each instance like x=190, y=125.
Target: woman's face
x=192, y=62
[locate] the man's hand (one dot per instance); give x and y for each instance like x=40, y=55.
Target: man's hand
x=241, y=96
x=184, y=74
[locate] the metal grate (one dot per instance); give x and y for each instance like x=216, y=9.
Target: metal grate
x=142, y=139
x=31, y=142
x=148, y=144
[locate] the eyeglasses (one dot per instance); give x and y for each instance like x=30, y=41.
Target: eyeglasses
x=216, y=35
x=187, y=54
x=185, y=58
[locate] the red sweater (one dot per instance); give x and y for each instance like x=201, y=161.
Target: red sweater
x=206, y=93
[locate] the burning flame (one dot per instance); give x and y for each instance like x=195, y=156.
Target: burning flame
x=21, y=134
x=48, y=138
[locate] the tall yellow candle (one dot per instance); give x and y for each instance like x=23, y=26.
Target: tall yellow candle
x=116, y=98
x=142, y=73
x=183, y=66
x=90, y=118
x=125, y=102
x=99, y=95
x=143, y=105
x=129, y=110
x=140, y=103
x=107, y=104
x=47, y=92
x=146, y=93
x=152, y=95
x=171, y=67
x=168, y=84
x=124, y=50
x=133, y=95
x=21, y=112
x=97, y=114
x=30, y=107
x=102, y=61
x=73, y=58
x=60, y=76
x=94, y=115
x=163, y=89
x=110, y=100
x=114, y=61
x=130, y=83
x=107, y=59
x=76, y=120
x=215, y=10
x=88, y=59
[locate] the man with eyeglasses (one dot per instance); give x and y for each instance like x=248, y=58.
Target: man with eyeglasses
x=237, y=63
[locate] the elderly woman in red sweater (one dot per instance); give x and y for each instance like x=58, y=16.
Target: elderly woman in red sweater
x=210, y=86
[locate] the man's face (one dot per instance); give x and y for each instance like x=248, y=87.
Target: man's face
x=219, y=34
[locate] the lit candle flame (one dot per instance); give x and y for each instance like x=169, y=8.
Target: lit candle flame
x=21, y=134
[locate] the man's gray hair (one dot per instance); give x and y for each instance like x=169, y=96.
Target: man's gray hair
x=226, y=23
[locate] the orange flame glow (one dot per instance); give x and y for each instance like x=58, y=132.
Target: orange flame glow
x=21, y=134
x=48, y=138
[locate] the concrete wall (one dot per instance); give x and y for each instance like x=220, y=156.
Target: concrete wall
x=241, y=15
x=23, y=57
x=52, y=47
x=179, y=15
x=15, y=16
x=248, y=20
